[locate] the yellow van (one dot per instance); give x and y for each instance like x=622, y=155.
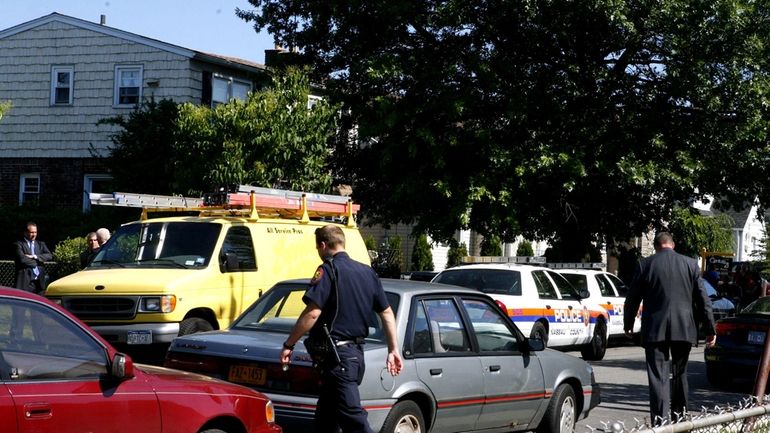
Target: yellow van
x=158, y=278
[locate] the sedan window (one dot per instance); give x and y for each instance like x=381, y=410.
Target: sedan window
x=492, y=332
x=620, y=286
x=604, y=286
x=38, y=343
x=545, y=289
x=447, y=331
x=492, y=281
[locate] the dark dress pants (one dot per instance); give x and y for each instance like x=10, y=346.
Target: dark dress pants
x=667, y=375
x=339, y=403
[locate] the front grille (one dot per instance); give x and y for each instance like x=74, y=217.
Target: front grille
x=102, y=307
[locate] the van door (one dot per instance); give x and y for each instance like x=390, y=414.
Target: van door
x=239, y=265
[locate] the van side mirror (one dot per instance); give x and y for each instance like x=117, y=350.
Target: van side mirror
x=228, y=262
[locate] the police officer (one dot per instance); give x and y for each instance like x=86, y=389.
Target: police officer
x=342, y=295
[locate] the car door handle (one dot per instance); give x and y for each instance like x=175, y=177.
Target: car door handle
x=547, y=307
x=569, y=307
x=494, y=368
x=436, y=371
x=37, y=410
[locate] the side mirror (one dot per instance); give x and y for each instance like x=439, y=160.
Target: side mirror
x=535, y=345
x=122, y=367
x=228, y=262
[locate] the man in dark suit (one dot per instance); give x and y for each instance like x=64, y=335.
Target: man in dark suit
x=29, y=258
x=671, y=290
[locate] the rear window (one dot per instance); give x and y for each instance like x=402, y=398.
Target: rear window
x=577, y=280
x=492, y=281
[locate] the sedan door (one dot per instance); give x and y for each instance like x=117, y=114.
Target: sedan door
x=514, y=388
x=56, y=374
x=446, y=364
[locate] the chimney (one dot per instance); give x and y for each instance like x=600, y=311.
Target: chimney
x=271, y=56
x=103, y=19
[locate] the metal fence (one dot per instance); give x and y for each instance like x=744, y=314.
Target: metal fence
x=8, y=276
x=749, y=415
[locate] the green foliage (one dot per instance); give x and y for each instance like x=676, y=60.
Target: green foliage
x=422, y=257
x=272, y=139
x=575, y=122
x=525, y=249
x=371, y=244
x=5, y=106
x=490, y=246
x=694, y=232
x=455, y=254
x=143, y=156
x=67, y=255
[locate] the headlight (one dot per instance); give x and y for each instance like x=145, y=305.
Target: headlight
x=157, y=304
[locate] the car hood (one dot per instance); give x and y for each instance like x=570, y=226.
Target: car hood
x=170, y=380
x=122, y=281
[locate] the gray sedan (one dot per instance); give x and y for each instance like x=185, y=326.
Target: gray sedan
x=466, y=365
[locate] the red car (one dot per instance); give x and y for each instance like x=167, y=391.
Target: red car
x=56, y=375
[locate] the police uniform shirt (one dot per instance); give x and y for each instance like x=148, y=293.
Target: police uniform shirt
x=360, y=292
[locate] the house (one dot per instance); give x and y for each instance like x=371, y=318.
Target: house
x=64, y=74
x=748, y=229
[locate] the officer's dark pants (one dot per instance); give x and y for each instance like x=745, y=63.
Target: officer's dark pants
x=668, y=397
x=339, y=404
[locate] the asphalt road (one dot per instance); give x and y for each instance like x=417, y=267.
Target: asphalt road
x=622, y=376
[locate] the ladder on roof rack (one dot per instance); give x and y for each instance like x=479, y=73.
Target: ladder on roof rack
x=247, y=199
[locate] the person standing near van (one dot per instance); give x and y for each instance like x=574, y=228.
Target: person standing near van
x=341, y=297
x=671, y=289
x=28, y=260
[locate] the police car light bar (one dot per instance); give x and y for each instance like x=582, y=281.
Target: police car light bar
x=576, y=265
x=503, y=259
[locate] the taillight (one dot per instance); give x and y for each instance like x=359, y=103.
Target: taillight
x=194, y=363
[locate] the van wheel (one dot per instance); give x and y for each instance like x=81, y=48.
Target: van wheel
x=595, y=349
x=194, y=324
x=538, y=331
x=405, y=417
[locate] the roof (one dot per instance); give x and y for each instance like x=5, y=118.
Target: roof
x=231, y=62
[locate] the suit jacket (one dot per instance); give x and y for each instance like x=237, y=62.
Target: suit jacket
x=670, y=286
x=24, y=265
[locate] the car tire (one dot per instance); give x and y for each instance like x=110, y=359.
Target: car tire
x=405, y=417
x=539, y=331
x=560, y=416
x=192, y=325
x=715, y=377
x=597, y=347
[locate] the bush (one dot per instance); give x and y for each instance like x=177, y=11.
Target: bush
x=455, y=254
x=67, y=255
x=422, y=258
x=525, y=249
x=388, y=263
x=490, y=246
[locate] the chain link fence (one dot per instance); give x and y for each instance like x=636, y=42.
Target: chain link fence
x=8, y=274
x=748, y=416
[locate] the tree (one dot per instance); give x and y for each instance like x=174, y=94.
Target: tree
x=456, y=253
x=422, y=258
x=578, y=123
x=694, y=232
x=272, y=140
x=525, y=249
x=490, y=246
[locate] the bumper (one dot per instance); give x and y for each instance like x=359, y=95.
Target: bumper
x=298, y=413
x=159, y=332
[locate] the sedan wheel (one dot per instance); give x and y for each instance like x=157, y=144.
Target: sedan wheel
x=560, y=415
x=405, y=417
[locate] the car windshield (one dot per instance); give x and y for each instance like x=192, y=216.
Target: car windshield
x=278, y=310
x=492, y=281
x=760, y=306
x=159, y=245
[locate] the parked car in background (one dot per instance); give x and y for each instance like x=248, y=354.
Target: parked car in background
x=740, y=342
x=541, y=302
x=606, y=290
x=59, y=376
x=467, y=367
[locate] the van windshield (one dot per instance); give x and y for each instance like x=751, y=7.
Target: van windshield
x=159, y=245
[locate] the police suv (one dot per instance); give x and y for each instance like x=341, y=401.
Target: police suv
x=541, y=302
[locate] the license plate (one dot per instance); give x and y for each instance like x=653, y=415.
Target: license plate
x=247, y=374
x=757, y=337
x=139, y=337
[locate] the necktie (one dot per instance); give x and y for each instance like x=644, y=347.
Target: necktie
x=35, y=270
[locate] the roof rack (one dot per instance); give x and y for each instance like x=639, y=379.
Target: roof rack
x=503, y=259
x=252, y=202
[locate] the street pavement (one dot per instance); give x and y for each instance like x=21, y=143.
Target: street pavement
x=622, y=377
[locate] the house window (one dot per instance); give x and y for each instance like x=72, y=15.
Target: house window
x=128, y=85
x=223, y=89
x=101, y=183
x=29, y=188
x=61, y=85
